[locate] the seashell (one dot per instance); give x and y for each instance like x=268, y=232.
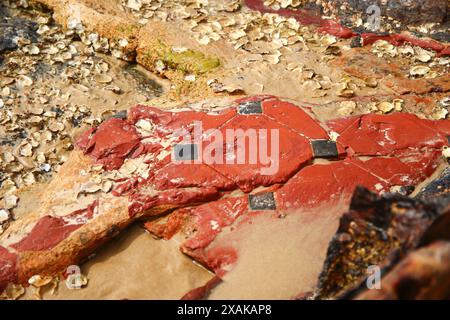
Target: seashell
x=445, y=102
x=24, y=81
x=103, y=78
x=134, y=4
x=39, y=281
x=8, y=157
x=33, y=50
x=398, y=104
x=440, y=114
x=4, y=215
x=419, y=70
x=372, y=83
x=145, y=126
x=107, y=186
x=346, y=108
x=10, y=201
x=29, y=178
x=26, y=150
x=13, y=291
x=385, y=107
x=55, y=126
x=328, y=40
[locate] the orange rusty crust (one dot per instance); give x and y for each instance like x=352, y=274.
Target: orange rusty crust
x=390, y=73
x=420, y=86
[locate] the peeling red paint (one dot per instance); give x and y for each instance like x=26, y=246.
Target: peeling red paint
x=295, y=152
x=401, y=39
x=294, y=118
x=173, y=183
x=110, y=143
x=378, y=152
x=141, y=202
x=182, y=175
x=397, y=150
x=374, y=134
x=50, y=231
x=375, y=151
x=208, y=220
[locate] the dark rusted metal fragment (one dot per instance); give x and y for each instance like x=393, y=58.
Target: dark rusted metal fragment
x=324, y=149
x=250, y=107
x=262, y=201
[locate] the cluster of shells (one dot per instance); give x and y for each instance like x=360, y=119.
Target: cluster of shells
x=38, y=283
x=329, y=9
x=356, y=18
x=420, y=63
x=266, y=39
x=36, y=121
x=283, y=4
x=424, y=63
x=96, y=43
x=270, y=38
x=347, y=108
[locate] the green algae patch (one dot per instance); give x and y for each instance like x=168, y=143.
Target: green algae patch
x=186, y=61
x=127, y=29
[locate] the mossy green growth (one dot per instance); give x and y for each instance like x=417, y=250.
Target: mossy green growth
x=188, y=61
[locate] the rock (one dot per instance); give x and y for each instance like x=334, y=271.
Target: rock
x=126, y=157
x=378, y=229
x=427, y=222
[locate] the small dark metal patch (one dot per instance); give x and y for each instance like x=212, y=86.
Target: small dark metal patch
x=448, y=139
x=185, y=152
x=324, y=149
x=262, y=201
x=251, y=107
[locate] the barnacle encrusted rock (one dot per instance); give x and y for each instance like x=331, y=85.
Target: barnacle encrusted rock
x=375, y=232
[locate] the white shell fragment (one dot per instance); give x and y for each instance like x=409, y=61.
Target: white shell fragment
x=10, y=201
x=386, y=107
x=419, y=70
x=4, y=215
